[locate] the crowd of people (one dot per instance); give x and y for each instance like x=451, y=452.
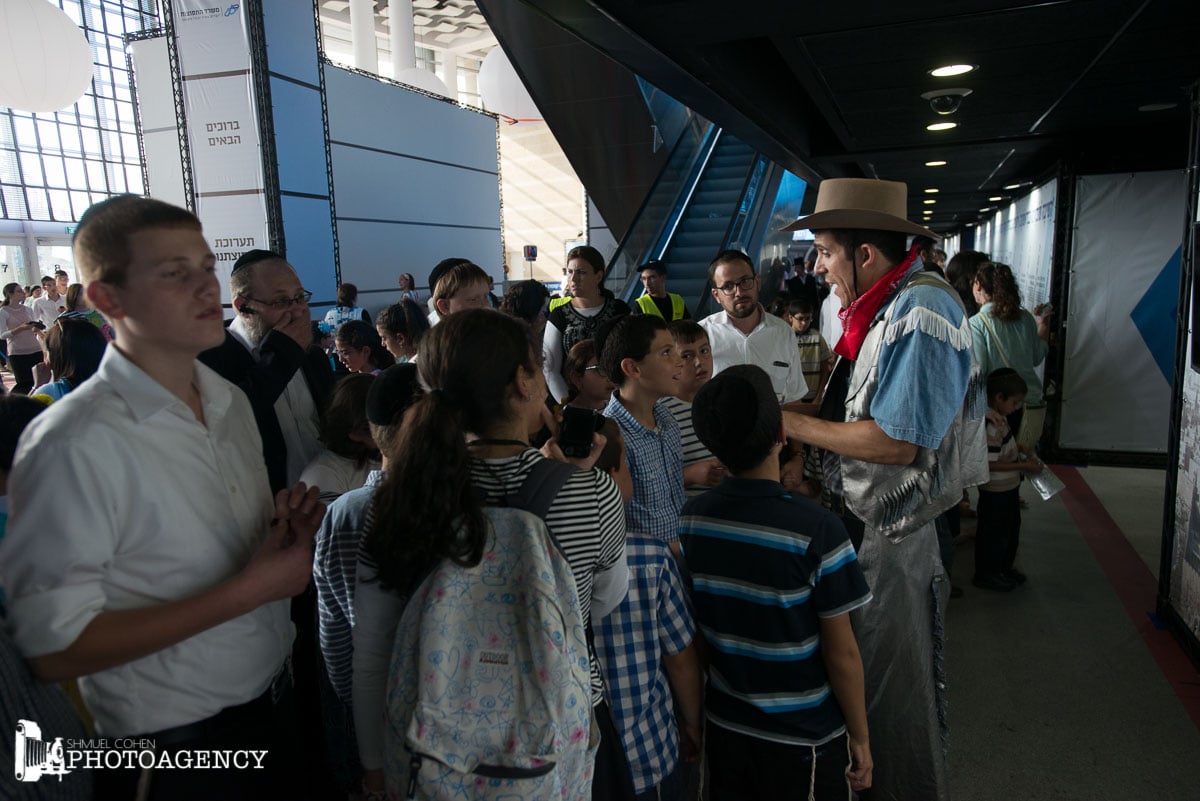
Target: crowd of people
x=374, y=552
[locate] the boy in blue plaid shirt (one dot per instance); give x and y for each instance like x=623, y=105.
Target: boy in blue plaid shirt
x=638, y=354
x=647, y=651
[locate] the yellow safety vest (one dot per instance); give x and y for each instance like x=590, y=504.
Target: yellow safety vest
x=648, y=306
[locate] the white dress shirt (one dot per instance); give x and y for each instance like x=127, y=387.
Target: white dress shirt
x=121, y=499
x=771, y=346
x=297, y=414
x=46, y=310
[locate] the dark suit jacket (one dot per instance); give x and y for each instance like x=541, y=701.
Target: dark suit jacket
x=264, y=381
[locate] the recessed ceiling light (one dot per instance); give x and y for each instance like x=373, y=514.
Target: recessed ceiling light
x=935, y=164
x=931, y=191
x=989, y=208
x=1157, y=106
x=929, y=201
x=952, y=69
x=941, y=126
x=995, y=198
x=1014, y=186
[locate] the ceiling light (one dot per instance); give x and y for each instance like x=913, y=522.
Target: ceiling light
x=952, y=69
x=1157, y=106
x=935, y=164
x=941, y=126
x=1017, y=185
x=931, y=191
x=995, y=198
x=989, y=208
x=929, y=201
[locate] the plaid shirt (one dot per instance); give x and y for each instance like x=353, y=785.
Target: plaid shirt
x=656, y=464
x=654, y=619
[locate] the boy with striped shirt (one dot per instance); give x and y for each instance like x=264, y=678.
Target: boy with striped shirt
x=775, y=578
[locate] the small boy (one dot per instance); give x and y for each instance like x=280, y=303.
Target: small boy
x=169, y=604
x=815, y=355
x=647, y=650
x=334, y=564
x=638, y=355
x=999, y=523
x=700, y=469
x=774, y=580
x=457, y=285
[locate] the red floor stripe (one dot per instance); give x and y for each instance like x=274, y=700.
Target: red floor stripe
x=1135, y=585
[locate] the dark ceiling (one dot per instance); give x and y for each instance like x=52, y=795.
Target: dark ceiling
x=834, y=88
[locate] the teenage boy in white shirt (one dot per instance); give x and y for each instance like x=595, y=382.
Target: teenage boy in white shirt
x=144, y=553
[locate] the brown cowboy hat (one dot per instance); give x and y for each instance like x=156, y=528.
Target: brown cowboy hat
x=861, y=203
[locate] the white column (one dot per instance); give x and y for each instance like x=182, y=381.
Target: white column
x=449, y=74
x=404, y=48
x=362, y=35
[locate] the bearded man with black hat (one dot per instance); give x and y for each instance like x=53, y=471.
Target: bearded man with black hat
x=901, y=427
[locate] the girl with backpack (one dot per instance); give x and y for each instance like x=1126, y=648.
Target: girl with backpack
x=486, y=385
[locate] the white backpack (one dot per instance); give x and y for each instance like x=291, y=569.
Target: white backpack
x=489, y=690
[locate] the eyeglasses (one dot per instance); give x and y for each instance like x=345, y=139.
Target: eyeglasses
x=742, y=284
x=592, y=367
x=285, y=303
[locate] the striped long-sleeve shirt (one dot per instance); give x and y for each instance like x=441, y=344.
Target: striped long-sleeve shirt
x=766, y=567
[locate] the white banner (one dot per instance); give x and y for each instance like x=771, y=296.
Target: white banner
x=160, y=126
x=1120, y=325
x=213, y=46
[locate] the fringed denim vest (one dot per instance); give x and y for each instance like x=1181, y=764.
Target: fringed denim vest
x=897, y=500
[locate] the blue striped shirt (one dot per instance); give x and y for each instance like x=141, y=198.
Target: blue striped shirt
x=335, y=561
x=766, y=568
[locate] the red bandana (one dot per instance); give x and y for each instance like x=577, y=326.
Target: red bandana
x=858, y=316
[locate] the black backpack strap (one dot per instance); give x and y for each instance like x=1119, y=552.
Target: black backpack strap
x=541, y=486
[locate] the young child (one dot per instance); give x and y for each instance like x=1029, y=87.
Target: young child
x=638, y=355
x=999, y=526
x=700, y=469
x=457, y=284
x=774, y=580
x=815, y=356
x=170, y=604
x=647, y=651
x=589, y=389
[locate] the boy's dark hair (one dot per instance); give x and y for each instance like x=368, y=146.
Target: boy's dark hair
x=1007, y=382
x=75, y=348
x=456, y=278
x=346, y=414
x=390, y=395
x=657, y=265
x=625, y=337
x=892, y=244
x=525, y=299
x=726, y=256
x=347, y=295
x=799, y=306
x=16, y=411
x=686, y=332
x=737, y=417
x=101, y=240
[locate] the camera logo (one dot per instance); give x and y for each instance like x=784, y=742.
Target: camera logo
x=34, y=758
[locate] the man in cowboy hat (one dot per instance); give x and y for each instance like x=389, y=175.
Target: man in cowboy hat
x=901, y=427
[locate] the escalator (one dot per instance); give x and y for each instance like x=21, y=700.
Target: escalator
x=703, y=229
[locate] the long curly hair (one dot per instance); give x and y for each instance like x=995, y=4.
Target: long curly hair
x=426, y=509
x=997, y=281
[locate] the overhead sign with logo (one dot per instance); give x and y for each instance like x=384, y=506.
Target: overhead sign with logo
x=213, y=46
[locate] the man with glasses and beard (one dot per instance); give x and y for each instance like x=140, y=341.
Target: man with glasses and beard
x=743, y=333
x=269, y=353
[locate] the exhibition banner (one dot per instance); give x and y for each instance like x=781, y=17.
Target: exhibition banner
x=1120, y=326
x=213, y=46
x=1022, y=236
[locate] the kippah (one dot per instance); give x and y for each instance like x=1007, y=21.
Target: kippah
x=253, y=257
x=443, y=267
x=391, y=393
